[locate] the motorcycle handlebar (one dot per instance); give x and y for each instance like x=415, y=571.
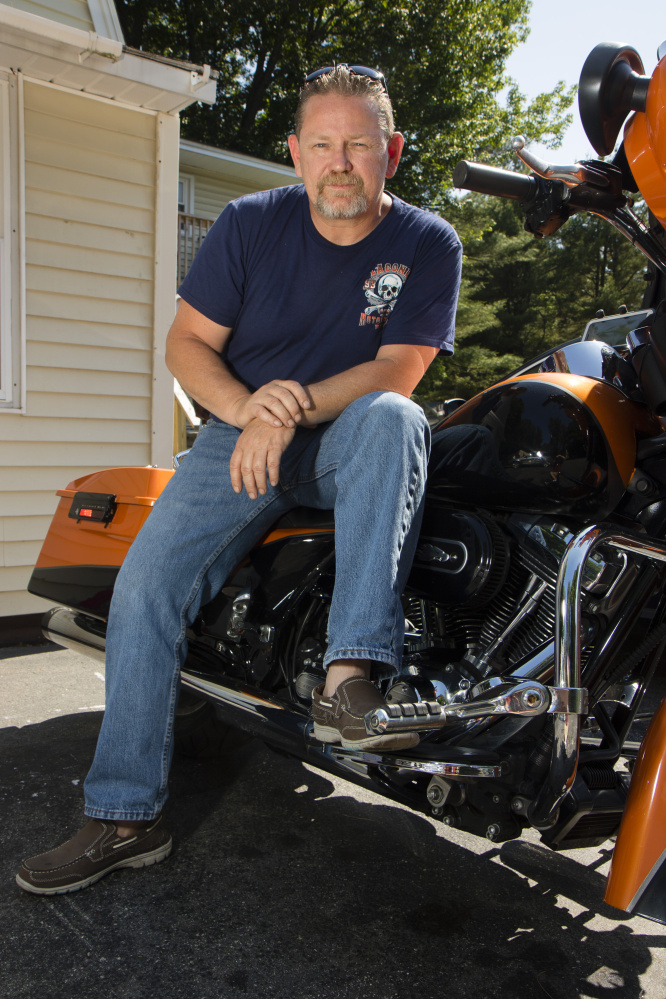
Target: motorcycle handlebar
x=492, y=180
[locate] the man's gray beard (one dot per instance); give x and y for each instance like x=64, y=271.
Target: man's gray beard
x=345, y=209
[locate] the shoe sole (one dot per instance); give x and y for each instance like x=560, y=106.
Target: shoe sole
x=402, y=740
x=143, y=860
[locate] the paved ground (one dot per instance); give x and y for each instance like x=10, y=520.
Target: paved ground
x=286, y=883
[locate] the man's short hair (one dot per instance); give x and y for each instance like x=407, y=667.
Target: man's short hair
x=343, y=81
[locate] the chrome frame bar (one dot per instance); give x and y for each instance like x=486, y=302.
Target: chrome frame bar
x=566, y=743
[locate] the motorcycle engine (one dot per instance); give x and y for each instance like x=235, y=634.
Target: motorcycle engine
x=479, y=601
x=481, y=597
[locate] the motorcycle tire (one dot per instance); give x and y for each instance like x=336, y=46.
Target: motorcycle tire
x=200, y=734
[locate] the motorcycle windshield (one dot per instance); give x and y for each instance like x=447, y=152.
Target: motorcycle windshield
x=591, y=359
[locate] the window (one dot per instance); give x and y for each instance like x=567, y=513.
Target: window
x=185, y=194
x=11, y=346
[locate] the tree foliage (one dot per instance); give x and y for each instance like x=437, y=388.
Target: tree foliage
x=445, y=68
x=444, y=64
x=521, y=296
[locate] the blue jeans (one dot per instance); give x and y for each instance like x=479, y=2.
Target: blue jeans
x=369, y=466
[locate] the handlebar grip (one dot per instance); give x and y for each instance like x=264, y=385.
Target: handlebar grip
x=491, y=180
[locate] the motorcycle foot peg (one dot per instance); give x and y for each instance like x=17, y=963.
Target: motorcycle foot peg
x=405, y=717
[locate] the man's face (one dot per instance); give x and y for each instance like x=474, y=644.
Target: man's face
x=343, y=156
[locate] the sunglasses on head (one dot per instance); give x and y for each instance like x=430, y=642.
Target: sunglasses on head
x=372, y=74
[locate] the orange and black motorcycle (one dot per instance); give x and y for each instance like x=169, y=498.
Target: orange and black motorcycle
x=536, y=606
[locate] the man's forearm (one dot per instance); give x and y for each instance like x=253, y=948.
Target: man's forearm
x=331, y=396
x=193, y=355
x=204, y=375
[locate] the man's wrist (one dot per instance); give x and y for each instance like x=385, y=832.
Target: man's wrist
x=239, y=418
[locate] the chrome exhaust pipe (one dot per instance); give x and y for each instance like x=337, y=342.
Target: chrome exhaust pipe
x=276, y=722
x=257, y=713
x=264, y=716
x=76, y=631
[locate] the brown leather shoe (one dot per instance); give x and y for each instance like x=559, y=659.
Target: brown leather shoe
x=341, y=717
x=95, y=851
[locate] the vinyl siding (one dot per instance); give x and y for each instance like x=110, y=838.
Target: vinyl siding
x=90, y=170
x=213, y=192
x=75, y=13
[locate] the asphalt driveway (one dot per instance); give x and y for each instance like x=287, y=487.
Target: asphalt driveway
x=287, y=883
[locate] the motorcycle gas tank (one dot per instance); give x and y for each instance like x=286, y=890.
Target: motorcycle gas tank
x=547, y=443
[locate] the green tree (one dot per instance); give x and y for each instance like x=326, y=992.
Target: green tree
x=444, y=64
x=520, y=296
x=445, y=68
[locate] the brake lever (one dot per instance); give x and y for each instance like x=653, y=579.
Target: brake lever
x=572, y=176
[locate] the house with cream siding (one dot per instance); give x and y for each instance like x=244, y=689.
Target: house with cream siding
x=209, y=179
x=89, y=188
x=213, y=177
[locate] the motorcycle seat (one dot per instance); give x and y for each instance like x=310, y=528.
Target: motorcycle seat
x=306, y=518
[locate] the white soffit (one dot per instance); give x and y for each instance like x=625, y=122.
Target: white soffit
x=247, y=169
x=88, y=62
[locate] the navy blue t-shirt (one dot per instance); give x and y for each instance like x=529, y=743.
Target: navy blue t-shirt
x=302, y=307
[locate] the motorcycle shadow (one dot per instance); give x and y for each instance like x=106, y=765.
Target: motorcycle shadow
x=412, y=887
x=285, y=882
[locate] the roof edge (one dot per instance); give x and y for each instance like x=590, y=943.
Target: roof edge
x=218, y=154
x=89, y=62
x=191, y=67
x=105, y=19
x=63, y=34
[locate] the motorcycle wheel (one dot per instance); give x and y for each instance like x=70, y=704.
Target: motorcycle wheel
x=199, y=733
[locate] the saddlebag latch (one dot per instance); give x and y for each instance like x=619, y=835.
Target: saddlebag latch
x=96, y=507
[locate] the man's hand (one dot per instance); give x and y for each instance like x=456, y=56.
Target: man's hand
x=279, y=404
x=258, y=449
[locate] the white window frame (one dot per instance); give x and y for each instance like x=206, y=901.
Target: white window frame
x=12, y=256
x=187, y=180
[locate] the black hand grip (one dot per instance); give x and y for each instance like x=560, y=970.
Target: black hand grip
x=491, y=180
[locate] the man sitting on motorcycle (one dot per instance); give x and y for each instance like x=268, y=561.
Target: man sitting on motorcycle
x=307, y=319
